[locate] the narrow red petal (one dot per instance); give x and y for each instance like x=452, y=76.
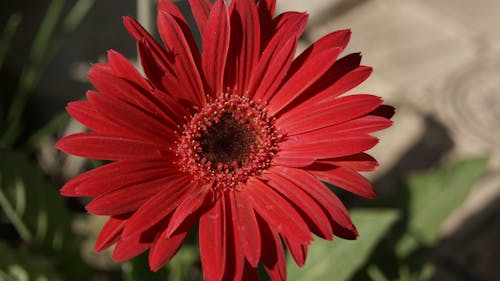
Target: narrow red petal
x=385, y=111
x=319, y=192
x=246, y=226
x=310, y=210
x=125, y=250
x=277, y=212
x=298, y=251
x=307, y=74
x=340, y=85
x=249, y=273
x=316, y=146
x=359, y=162
x=87, y=115
x=122, y=67
x=98, y=146
x=277, y=57
x=273, y=254
x=143, y=99
x=149, y=214
x=160, y=73
x=185, y=66
x=164, y=249
x=293, y=160
x=168, y=7
x=337, y=39
x=140, y=34
x=345, y=178
x=244, y=44
x=128, y=248
x=117, y=175
x=128, y=198
x=212, y=233
x=313, y=116
x=189, y=206
x=235, y=258
x=141, y=124
x=110, y=233
x=201, y=10
x=215, y=48
x=322, y=88
x=266, y=12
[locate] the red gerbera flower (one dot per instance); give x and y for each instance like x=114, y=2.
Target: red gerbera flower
x=238, y=136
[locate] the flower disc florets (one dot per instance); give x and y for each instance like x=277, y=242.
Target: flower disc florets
x=226, y=142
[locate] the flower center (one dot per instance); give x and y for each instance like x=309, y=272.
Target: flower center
x=226, y=142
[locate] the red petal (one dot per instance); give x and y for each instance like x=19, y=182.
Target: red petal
x=298, y=251
x=300, y=80
x=273, y=255
x=384, y=110
x=189, y=206
x=98, y=146
x=122, y=67
x=160, y=73
x=266, y=12
x=245, y=225
x=168, y=7
x=277, y=212
x=200, y=10
x=363, y=125
x=312, y=64
x=277, y=57
x=159, y=206
x=312, y=116
x=141, y=124
x=310, y=210
x=140, y=34
x=339, y=69
x=132, y=246
x=110, y=233
x=316, y=146
x=244, y=47
x=235, y=259
x=128, y=198
x=212, y=241
x=249, y=273
x=215, y=48
x=117, y=175
x=87, y=115
x=292, y=160
x=336, y=39
x=358, y=162
x=345, y=178
x=164, y=249
x=340, y=85
x=143, y=99
x=327, y=199
x=184, y=65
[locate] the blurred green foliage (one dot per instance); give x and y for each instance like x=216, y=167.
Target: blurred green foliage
x=397, y=234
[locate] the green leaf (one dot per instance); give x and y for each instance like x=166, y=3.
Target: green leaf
x=341, y=258
x=433, y=196
x=37, y=212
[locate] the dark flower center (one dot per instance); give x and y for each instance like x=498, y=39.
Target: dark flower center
x=227, y=142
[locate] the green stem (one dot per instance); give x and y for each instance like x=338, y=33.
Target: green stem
x=14, y=218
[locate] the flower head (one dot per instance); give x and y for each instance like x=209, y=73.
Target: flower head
x=239, y=137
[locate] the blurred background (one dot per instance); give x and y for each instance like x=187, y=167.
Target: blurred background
x=437, y=62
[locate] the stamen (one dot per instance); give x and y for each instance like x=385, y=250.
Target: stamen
x=226, y=142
